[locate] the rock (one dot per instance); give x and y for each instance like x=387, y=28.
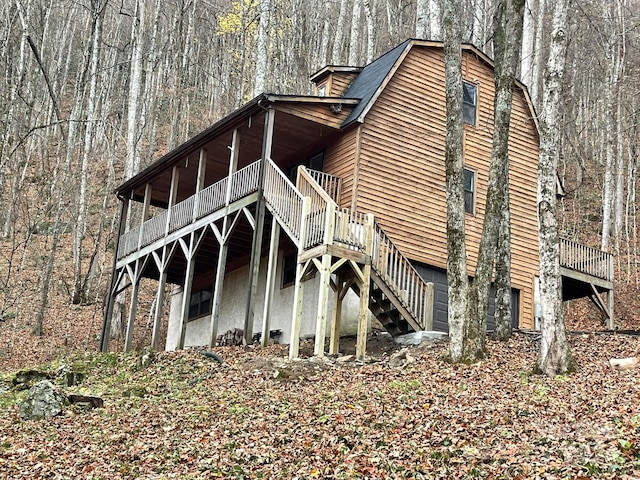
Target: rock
x=401, y=358
x=146, y=358
x=43, y=401
x=346, y=358
x=416, y=338
x=281, y=374
x=25, y=379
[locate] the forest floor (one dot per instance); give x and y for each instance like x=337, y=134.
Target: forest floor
x=257, y=415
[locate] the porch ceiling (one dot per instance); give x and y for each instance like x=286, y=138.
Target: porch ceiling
x=294, y=138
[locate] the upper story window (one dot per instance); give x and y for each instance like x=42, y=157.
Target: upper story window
x=322, y=90
x=469, y=190
x=469, y=102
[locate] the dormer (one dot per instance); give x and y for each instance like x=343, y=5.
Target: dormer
x=333, y=81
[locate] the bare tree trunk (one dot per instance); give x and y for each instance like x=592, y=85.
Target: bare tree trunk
x=506, y=40
x=370, y=30
x=534, y=88
x=336, y=57
x=262, y=47
x=503, y=307
x=457, y=283
x=554, y=356
x=422, y=19
x=79, y=293
x=436, y=20
x=356, y=35
x=10, y=130
x=528, y=42
x=135, y=86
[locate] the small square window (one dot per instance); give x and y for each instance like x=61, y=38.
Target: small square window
x=469, y=102
x=322, y=90
x=469, y=190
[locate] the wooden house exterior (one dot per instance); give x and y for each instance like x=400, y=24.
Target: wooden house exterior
x=350, y=183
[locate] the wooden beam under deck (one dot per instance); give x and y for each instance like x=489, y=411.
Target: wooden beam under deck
x=187, y=229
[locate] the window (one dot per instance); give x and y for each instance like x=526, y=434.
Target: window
x=289, y=264
x=200, y=304
x=469, y=102
x=469, y=190
x=314, y=162
x=322, y=90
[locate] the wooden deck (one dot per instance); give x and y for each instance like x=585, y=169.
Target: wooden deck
x=322, y=228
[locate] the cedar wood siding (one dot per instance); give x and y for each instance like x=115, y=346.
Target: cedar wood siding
x=319, y=113
x=340, y=160
x=402, y=174
x=339, y=82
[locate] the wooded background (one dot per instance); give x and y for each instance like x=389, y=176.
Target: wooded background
x=95, y=90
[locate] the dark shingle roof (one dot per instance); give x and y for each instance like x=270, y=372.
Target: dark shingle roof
x=370, y=79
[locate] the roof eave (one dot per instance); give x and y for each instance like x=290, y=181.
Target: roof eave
x=254, y=105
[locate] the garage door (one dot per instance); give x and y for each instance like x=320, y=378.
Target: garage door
x=439, y=279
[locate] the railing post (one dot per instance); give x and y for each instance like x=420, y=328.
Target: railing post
x=298, y=292
x=428, y=306
x=363, y=315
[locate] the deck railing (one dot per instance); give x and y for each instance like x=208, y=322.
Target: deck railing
x=319, y=208
x=350, y=229
x=329, y=183
x=243, y=182
x=589, y=260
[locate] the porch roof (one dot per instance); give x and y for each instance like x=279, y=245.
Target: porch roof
x=299, y=131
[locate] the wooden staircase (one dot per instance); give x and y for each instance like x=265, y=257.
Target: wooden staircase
x=398, y=296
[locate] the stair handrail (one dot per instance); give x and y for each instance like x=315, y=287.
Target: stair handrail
x=402, y=278
x=321, y=207
x=284, y=200
x=387, y=260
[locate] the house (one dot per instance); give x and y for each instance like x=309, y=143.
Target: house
x=315, y=214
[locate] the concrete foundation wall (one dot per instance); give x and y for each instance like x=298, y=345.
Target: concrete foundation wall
x=234, y=299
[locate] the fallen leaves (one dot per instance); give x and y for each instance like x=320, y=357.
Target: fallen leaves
x=330, y=419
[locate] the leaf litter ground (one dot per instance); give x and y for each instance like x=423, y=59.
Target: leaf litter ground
x=260, y=416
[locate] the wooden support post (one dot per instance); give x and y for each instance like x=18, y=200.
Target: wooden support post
x=133, y=307
x=428, y=307
x=323, y=299
x=336, y=317
x=611, y=324
x=325, y=281
x=254, y=264
x=173, y=193
x=202, y=168
x=226, y=232
x=161, y=263
x=157, y=316
x=274, y=245
x=217, y=293
x=189, y=252
x=106, y=325
x=363, y=315
x=298, y=289
x=145, y=211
